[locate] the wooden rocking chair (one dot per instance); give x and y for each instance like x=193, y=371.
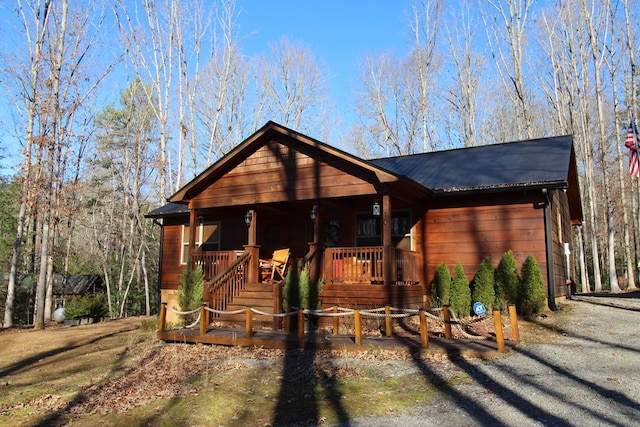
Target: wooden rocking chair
x=276, y=266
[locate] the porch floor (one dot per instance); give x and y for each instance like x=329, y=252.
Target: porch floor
x=484, y=349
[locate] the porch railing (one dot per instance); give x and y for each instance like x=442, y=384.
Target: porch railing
x=365, y=265
x=406, y=269
x=227, y=284
x=213, y=263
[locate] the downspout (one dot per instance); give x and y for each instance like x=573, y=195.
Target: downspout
x=548, y=239
x=158, y=223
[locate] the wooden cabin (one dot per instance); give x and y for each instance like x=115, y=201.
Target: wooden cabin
x=374, y=230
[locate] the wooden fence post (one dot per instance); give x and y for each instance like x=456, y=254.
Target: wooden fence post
x=497, y=321
x=336, y=321
x=203, y=319
x=248, y=325
x=388, y=321
x=357, y=325
x=277, y=306
x=300, y=327
x=424, y=330
x=447, y=321
x=513, y=316
x=163, y=317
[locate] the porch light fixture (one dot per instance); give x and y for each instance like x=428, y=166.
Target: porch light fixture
x=314, y=213
x=376, y=208
x=247, y=218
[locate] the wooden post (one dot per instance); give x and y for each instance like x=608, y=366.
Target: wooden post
x=336, y=321
x=388, y=261
x=277, y=306
x=424, y=330
x=357, y=325
x=163, y=317
x=497, y=321
x=300, y=327
x=388, y=321
x=513, y=316
x=447, y=321
x=251, y=229
x=203, y=319
x=248, y=326
x=252, y=271
x=193, y=228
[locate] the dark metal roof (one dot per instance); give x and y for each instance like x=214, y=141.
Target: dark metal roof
x=534, y=163
x=170, y=209
x=530, y=163
x=77, y=284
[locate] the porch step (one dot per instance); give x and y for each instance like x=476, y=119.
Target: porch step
x=255, y=295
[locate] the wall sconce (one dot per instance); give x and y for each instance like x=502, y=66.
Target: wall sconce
x=314, y=213
x=376, y=208
x=247, y=218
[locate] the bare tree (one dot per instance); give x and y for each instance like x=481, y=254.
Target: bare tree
x=150, y=35
x=58, y=89
x=34, y=23
x=293, y=87
x=221, y=95
x=509, y=25
x=467, y=73
x=396, y=103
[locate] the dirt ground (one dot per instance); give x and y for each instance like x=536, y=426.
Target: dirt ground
x=119, y=370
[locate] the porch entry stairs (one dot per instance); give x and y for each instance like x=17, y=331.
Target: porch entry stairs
x=227, y=286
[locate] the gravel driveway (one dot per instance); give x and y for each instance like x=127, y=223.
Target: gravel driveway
x=590, y=376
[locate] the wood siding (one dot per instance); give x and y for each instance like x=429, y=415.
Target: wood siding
x=469, y=234
x=561, y=233
x=171, y=250
x=278, y=173
x=371, y=296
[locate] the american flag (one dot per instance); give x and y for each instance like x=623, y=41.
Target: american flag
x=632, y=144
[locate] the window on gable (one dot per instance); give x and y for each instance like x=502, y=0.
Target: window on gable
x=207, y=239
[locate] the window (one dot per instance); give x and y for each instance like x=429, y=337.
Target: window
x=207, y=239
x=369, y=232
x=401, y=230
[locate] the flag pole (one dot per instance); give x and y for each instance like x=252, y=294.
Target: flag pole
x=632, y=123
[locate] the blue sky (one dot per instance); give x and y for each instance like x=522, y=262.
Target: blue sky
x=340, y=33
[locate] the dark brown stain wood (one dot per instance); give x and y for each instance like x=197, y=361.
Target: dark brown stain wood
x=469, y=234
x=276, y=173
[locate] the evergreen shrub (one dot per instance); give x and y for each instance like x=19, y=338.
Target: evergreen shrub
x=531, y=295
x=483, y=285
x=460, y=292
x=92, y=306
x=441, y=286
x=507, y=281
x=191, y=290
x=299, y=292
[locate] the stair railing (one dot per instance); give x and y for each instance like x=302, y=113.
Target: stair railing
x=227, y=284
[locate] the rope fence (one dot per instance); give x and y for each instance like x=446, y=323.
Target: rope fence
x=442, y=317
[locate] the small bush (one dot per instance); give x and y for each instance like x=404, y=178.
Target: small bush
x=298, y=290
x=94, y=306
x=191, y=290
x=507, y=281
x=483, y=285
x=531, y=291
x=441, y=286
x=460, y=292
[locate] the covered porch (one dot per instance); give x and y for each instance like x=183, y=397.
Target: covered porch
x=353, y=277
